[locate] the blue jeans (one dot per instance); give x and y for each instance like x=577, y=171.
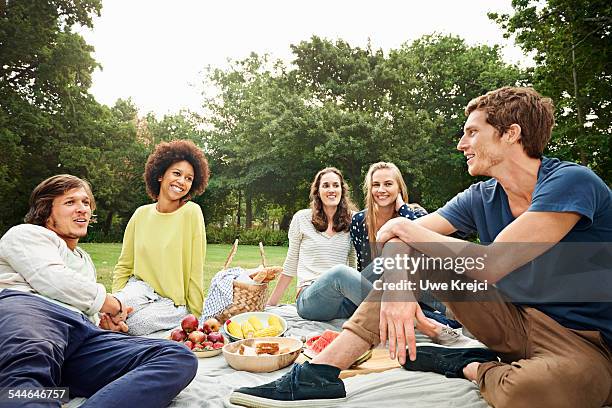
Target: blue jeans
x=339, y=291
x=46, y=345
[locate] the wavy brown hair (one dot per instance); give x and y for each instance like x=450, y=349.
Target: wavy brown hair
x=343, y=215
x=41, y=199
x=167, y=153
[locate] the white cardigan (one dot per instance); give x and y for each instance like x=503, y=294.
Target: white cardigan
x=35, y=259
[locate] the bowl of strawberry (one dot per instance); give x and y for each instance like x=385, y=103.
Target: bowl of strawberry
x=204, y=341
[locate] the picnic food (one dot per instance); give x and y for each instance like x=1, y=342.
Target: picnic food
x=254, y=326
x=273, y=320
x=318, y=343
x=266, y=275
x=267, y=348
x=211, y=325
x=256, y=323
x=198, y=339
x=242, y=354
x=270, y=348
x=178, y=335
x=189, y=323
x=270, y=331
x=234, y=329
x=248, y=330
x=215, y=337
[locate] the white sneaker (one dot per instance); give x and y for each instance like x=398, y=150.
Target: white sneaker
x=454, y=338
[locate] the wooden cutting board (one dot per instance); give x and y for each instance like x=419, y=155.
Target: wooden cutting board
x=379, y=362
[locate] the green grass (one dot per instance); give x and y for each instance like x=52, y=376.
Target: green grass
x=105, y=257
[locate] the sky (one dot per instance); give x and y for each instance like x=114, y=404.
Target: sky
x=155, y=51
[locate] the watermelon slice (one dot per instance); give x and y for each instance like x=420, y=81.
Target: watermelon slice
x=317, y=344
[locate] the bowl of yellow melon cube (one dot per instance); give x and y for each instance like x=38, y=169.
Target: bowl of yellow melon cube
x=252, y=325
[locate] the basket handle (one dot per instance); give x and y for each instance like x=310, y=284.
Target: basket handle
x=231, y=254
x=263, y=254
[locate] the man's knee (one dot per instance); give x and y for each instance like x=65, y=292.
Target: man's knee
x=395, y=246
x=181, y=361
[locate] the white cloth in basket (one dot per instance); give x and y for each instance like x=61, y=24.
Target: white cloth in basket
x=221, y=292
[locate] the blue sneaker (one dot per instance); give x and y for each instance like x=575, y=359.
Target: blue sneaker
x=315, y=385
x=447, y=361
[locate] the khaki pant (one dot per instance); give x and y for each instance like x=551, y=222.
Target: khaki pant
x=543, y=363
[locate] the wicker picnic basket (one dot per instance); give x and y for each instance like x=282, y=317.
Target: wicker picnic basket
x=248, y=297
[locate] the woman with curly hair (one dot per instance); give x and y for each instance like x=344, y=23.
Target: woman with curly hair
x=318, y=240
x=160, y=271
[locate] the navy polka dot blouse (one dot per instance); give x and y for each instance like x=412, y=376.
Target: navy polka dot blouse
x=359, y=232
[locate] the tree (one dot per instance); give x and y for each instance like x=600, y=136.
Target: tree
x=430, y=82
x=45, y=71
x=572, y=46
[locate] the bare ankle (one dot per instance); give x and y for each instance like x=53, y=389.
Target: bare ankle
x=470, y=371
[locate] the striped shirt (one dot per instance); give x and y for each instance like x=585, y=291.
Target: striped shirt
x=312, y=253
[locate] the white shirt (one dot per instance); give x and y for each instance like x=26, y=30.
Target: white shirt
x=35, y=259
x=312, y=253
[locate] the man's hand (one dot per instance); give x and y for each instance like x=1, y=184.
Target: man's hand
x=107, y=323
x=120, y=317
x=389, y=229
x=397, y=321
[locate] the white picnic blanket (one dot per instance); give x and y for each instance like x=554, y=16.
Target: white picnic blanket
x=215, y=380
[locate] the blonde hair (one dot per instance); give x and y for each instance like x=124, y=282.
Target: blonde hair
x=370, y=204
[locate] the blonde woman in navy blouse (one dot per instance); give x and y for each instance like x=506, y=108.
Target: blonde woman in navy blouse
x=386, y=195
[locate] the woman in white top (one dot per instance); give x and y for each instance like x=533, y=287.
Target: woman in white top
x=319, y=243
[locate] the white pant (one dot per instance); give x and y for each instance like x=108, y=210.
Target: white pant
x=152, y=312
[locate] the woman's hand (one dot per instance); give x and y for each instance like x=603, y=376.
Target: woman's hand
x=121, y=316
x=399, y=201
x=106, y=323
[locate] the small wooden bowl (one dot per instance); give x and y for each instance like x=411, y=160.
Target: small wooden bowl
x=263, y=363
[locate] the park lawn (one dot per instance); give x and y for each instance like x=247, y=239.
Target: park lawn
x=105, y=257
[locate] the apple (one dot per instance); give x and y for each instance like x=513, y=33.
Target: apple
x=215, y=337
x=213, y=324
x=178, y=335
x=198, y=347
x=217, y=346
x=188, y=344
x=197, y=337
x=189, y=323
x=206, y=328
x=207, y=344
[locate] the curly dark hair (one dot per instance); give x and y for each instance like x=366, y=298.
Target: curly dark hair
x=167, y=153
x=41, y=199
x=342, y=217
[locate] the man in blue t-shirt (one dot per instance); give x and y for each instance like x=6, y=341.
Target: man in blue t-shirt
x=553, y=341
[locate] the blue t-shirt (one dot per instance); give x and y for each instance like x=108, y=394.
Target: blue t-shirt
x=560, y=187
